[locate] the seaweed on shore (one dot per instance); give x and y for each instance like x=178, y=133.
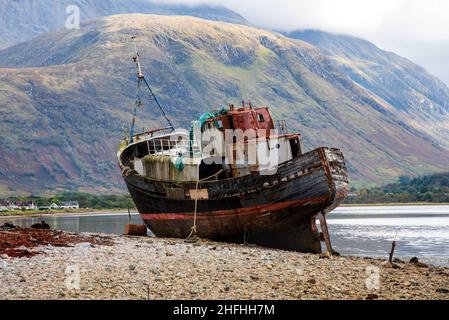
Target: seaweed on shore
x=18, y=242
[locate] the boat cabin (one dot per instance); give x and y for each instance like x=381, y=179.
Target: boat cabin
x=228, y=143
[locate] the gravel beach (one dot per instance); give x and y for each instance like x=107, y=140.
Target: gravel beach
x=150, y=268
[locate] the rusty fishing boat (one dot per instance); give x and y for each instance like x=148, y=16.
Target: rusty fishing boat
x=183, y=188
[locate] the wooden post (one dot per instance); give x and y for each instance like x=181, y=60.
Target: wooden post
x=325, y=230
x=393, y=246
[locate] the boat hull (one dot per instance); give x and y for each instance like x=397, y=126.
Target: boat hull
x=278, y=210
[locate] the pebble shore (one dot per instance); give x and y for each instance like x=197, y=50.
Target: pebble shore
x=152, y=268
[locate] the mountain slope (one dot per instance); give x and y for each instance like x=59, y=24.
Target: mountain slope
x=65, y=96
x=22, y=20
x=419, y=99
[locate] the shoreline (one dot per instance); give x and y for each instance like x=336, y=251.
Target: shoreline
x=155, y=268
x=94, y=212
x=394, y=204
x=15, y=215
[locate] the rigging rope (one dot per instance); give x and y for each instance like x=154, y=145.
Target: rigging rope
x=141, y=77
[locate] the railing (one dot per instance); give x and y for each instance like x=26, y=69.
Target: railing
x=165, y=146
x=150, y=133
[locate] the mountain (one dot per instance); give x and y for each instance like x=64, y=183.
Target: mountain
x=418, y=98
x=22, y=20
x=65, y=98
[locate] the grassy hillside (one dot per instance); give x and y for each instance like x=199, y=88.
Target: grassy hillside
x=67, y=95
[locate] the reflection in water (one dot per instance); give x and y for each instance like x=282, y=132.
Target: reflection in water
x=421, y=231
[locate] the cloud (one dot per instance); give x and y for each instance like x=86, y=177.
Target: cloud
x=408, y=27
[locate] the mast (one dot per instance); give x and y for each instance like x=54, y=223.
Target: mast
x=140, y=79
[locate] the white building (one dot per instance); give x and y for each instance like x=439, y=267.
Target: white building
x=28, y=206
x=69, y=205
x=3, y=206
x=53, y=206
x=10, y=205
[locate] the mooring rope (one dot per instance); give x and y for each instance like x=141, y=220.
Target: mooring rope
x=193, y=230
x=193, y=236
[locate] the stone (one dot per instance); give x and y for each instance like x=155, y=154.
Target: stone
x=414, y=260
x=443, y=290
x=7, y=225
x=109, y=272
x=84, y=245
x=42, y=225
x=417, y=263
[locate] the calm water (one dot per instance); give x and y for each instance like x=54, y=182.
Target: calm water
x=421, y=231
x=113, y=223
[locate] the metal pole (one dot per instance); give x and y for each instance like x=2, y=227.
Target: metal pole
x=141, y=76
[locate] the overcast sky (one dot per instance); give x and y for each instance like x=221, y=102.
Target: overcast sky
x=416, y=29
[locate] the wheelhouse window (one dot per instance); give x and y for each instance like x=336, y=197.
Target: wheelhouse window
x=260, y=117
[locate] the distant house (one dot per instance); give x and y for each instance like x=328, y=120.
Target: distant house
x=29, y=205
x=12, y=206
x=7, y=205
x=53, y=206
x=69, y=205
x=4, y=206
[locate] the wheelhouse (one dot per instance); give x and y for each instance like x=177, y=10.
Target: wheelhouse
x=225, y=144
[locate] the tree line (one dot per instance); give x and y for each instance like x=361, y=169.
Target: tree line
x=430, y=188
x=85, y=200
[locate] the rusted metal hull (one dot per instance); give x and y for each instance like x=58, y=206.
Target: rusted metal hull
x=277, y=210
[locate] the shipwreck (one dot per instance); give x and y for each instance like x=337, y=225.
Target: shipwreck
x=236, y=175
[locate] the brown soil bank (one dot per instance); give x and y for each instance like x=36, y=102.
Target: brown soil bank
x=142, y=268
